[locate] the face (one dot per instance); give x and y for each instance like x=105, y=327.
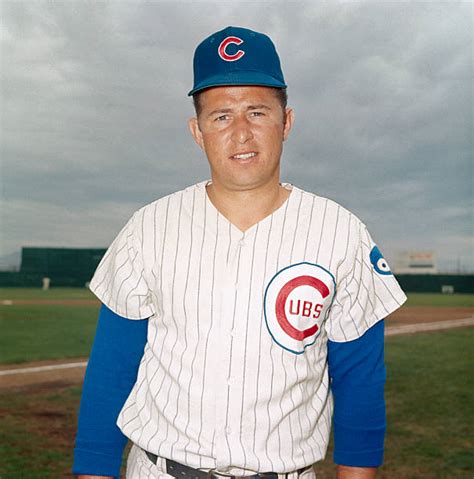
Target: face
x=242, y=129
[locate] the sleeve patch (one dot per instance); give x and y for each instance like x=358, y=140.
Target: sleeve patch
x=378, y=262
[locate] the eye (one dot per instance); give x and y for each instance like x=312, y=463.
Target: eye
x=222, y=118
x=257, y=113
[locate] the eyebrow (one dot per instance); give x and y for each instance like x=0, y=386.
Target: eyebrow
x=260, y=106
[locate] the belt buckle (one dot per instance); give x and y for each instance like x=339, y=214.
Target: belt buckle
x=213, y=473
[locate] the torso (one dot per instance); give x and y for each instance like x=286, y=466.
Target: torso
x=234, y=374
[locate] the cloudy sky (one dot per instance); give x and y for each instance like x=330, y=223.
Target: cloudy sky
x=94, y=110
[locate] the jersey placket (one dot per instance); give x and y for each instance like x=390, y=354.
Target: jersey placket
x=227, y=417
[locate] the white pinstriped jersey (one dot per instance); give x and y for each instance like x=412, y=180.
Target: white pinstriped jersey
x=234, y=374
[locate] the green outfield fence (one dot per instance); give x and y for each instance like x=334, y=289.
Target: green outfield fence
x=71, y=267
x=433, y=283
x=74, y=267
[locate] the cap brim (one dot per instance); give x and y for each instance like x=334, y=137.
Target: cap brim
x=239, y=78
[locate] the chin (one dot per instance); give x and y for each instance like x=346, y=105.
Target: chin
x=245, y=184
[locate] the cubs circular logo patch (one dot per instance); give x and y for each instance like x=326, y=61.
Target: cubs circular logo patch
x=297, y=300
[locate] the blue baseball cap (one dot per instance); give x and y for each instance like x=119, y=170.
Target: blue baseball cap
x=236, y=56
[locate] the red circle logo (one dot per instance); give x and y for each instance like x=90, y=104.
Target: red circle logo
x=297, y=301
x=314, y=311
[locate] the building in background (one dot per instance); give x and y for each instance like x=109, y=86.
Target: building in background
x=416, y=262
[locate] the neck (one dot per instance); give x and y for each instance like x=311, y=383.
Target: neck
x=247, y=207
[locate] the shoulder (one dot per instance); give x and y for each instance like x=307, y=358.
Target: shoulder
x=159, y=209
x=162, y=202
x=331, y=210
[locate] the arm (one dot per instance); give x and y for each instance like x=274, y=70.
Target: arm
x=110, y=376
x=345, y=472
x=357, y=374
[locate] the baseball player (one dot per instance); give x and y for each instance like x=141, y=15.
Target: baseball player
x=241, y=314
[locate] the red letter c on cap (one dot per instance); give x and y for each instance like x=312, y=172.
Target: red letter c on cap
x=225, y=43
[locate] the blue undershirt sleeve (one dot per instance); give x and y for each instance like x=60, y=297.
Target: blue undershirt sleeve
x=357, y=373
x=110, y=376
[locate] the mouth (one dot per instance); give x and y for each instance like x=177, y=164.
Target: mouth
x=245, y=156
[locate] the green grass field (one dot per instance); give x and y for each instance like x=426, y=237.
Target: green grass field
x=430, y=404
x=429, y=408
x=31, y=333
x=43, y=331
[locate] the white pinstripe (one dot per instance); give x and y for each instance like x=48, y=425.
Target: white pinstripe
x=214, y=390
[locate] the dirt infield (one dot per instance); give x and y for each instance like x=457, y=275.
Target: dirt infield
x=69, y=376
x=72, y=371
x=426, y=327
x=427, y=314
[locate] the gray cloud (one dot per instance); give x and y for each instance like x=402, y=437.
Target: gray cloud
x=94, y=114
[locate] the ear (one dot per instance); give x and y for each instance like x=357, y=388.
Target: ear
x=196, y=132
x=289, y=120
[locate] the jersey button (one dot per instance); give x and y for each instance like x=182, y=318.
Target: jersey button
x=228, y=430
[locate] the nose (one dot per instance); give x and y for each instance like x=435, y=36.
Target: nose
x=242, y=131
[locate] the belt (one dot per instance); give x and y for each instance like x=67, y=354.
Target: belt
x=185, y=472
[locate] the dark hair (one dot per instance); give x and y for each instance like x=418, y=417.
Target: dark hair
x=280, y=93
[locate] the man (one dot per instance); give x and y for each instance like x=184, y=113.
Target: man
x=253, y=300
